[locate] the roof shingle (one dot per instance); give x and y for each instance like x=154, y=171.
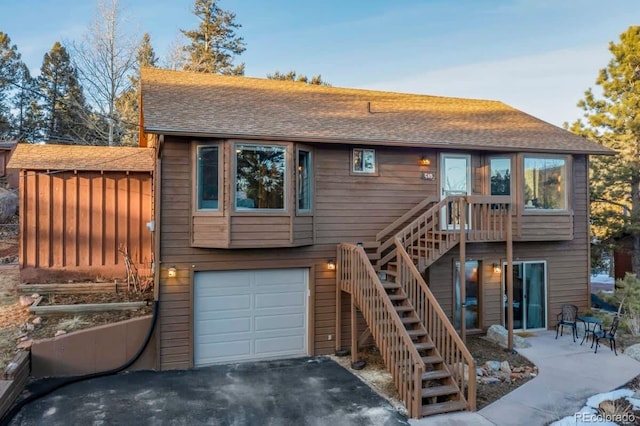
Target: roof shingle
x=178, y=102
x=79, y=157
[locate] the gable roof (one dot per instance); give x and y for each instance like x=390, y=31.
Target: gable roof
x=81, y=157
x=187, y=103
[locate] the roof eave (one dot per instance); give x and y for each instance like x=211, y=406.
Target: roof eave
x=306, y=139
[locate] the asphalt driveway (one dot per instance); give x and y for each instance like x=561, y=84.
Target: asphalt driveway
x=304, y=391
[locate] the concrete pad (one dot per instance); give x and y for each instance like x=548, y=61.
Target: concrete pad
x=568, y=374
x=463, y=418
x=304, y=391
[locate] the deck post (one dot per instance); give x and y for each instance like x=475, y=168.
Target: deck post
x=462, y=270
x=339, y=300
x=354, y=331
x=509, y=279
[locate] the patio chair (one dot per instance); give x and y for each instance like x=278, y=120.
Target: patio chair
x=609, y=335
x=567, y=318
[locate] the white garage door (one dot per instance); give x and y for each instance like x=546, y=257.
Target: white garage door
x=249, y=315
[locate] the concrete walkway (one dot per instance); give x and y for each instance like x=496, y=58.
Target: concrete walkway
x=568, y=375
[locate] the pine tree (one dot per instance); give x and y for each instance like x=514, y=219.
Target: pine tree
x=28, y=120
x=9, y=62
x=64, y=104
x=127, y=105
x=299, y=78
x=613, y=120
x=214, y=45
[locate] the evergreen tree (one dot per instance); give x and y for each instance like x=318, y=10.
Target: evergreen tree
x=9, y=62
x=214, y=44
x=64, y=104
x=613, y=120
x=299, y=78
x=127, y=105
x=28, y=120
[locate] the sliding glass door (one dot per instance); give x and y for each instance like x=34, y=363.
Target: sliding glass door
x=529, y=295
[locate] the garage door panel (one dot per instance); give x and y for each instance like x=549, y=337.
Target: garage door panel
x=279, y=345
x=225, y=326
x=244, y=315
x=223, y=303
x=224, y=351
x=280, y=300
x=280, y=322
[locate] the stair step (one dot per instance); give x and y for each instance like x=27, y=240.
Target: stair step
x=417, y=333
x=443, y=407
x=410, y=320
x=403, y=308
x=388, y=285
x=439, y=390
x=397, y=297
x=433, y=359
x=435, y=374
x=389, y=272
x=424, y=346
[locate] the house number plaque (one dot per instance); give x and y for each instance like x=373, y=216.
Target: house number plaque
x=428, y=175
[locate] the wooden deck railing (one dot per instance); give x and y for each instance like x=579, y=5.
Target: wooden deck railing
x=357, y=277
x=452, y=349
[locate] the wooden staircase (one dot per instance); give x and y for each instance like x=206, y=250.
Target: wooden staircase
x=439, y=363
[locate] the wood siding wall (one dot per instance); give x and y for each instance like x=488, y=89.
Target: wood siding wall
x=347, y=208
x=75, y=222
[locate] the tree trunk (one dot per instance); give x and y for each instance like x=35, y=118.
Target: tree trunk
x=635, y=219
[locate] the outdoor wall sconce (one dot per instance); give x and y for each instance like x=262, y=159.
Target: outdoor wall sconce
x=171, y=272
x=424, y=161
x=331, y=265
x=496, y=268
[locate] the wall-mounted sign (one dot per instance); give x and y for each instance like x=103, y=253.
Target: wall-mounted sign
x=428, y=175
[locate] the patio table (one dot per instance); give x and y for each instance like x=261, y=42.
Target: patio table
x=590, y=324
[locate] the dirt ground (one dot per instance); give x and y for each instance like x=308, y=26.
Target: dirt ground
x=17, y=324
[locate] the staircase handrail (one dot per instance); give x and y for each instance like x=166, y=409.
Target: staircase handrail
x=433, y=316
x=398, y=354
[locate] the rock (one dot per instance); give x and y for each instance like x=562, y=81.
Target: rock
x=505, y=367
x=479, y=371
x=35, y=296
x=516, y=369
x=8, y=205
x=26, y=301
x=24, y=338
x=26, y=344
x=498, y=334
x=36, y=321
x=516, y=376
x=633, y=351
x=60, y=333
x=492, y=366
x=490, y=380
x=29, y=327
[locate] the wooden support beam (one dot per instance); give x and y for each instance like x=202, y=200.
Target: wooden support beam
x=509, y=280
x=354, y=331
x=462, y=279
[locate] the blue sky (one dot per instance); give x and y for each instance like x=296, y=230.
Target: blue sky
x=536, y=55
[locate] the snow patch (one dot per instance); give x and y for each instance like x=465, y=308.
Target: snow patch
x=50, y=412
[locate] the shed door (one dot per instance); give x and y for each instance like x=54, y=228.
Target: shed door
x=250, y=315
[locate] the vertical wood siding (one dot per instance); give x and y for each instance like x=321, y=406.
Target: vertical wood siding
x=77, y=221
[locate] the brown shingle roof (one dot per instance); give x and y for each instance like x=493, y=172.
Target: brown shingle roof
x=194, y=103
x=7, y=146
x=77, y=157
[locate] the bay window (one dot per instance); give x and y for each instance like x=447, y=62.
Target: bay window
x=260, y=177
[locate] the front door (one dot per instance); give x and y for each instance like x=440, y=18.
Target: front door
x=529, y=295
x=455, y=179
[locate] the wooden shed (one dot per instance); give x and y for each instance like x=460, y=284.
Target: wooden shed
x=78, y=206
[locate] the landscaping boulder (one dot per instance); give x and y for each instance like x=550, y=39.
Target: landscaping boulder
x=633, y=351
x=498, y=334
x=8, y=205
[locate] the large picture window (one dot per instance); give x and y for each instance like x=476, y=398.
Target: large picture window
x=208, y=177
x=260, y=177
x=500, y=175
x=545, y=183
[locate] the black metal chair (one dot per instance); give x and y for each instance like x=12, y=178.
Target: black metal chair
x=609, y=335
x=567, y=318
